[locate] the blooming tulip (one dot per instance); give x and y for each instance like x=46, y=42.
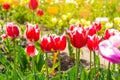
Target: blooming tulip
x=110, y=49
x=40, y=13
x=93, y=42
x=6, y=6
x=59, y=42
x=78, y=36
x=12, y=30
x=46, y=44
x=33, y=4
x=31, y=50
x=110, y=32
x=32, y=32
x=56, y=43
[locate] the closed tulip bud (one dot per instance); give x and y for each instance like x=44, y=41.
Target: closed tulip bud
x=31, y=50
x=12, y=30
x=32, y=32
x=6, y=6
x=40, y=13
x=33, y=4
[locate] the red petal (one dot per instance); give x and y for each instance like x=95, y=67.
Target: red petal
x=31, y=50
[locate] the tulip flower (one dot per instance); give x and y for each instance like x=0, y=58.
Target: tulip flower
x=6, y=6
x=97, y=26
x=46, y=44
x=110, y=49
x=31, y=50
x=33, y=4
x=56, y=43
x=32, y=32
x=91, y=31
x=12, y=30
x=110, y=32
x=40, y=13
x=78, y=36
x=59, y=42
x=93, y=42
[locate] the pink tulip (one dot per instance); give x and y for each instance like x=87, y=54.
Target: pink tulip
x=110, y=49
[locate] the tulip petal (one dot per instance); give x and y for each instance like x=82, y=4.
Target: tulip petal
x=31, y=50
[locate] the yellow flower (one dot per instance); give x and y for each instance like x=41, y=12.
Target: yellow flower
x=54, y=20
x=14, y=3
x=117, y=20
x=3, y=1
x=52, y=10
x=24, y=2
x=108, y=25
x=48, y=1
x=64, y=17
x=72, y=21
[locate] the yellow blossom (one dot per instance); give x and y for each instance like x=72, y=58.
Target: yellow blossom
x=52, y=10
x=108, y=25
x=117, y=20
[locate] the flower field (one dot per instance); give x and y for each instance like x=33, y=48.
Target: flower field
x=47, y=39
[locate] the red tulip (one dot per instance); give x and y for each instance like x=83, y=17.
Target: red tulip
x=91, y=31
x=78, y=36
x=40, y=13
x=97, y=26
x=59, y=42
x=93, y=42
x=6, y=6
x=110, y=32
x=32, y=32
x=56, y=43
x=31, y=50
x=12, y=30
x=46, y=44
x=33, y=4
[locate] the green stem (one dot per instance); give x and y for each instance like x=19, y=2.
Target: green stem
x=94, y=64
x=6, y=16
x=59, y=68
x=90, y=59
x=46, y=64
x=15, y=74
x=77, y=62
x=33, y=16
x=34, y=67
x=109, y=73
